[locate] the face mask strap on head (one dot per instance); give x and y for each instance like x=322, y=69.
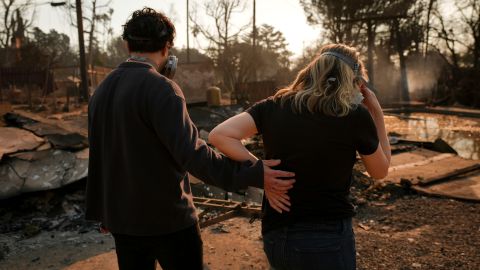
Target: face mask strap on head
x=163, y=33
x=358, y=98
x=137, y=38
x=348, y=60
x=164, y=30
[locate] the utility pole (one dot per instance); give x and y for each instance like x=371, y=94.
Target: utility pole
x=81, y=45
x=188, y=35
x=254, y=39
x=254, y=25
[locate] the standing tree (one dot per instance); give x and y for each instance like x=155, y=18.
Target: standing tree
x=47, y=50
x=273, y=41
x=470, y=16
x=117, y=51
x=446, y=39
x=340, y=17
x=406, y=36
x=269, y=58
x=13, y=27
x=456, y=40
x=13, y=13
x=98, y=14
x=223, y=37
x=398, y=22
x=457, y=37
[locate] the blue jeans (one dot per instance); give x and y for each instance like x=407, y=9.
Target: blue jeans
x=326, y=245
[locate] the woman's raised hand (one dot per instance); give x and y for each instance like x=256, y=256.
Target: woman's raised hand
x=370, y=99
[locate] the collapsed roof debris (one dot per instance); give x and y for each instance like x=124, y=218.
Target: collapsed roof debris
x=435, y=173
x=39, y=156
x=50, y=165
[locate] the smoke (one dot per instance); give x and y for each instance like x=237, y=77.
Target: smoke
x=423, y=74
x=386, y=77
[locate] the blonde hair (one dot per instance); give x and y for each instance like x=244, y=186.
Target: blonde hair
x=314, y=88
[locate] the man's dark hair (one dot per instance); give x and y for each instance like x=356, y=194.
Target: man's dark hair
x=148, y=31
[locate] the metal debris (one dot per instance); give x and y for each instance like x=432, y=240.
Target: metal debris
x=225, y=210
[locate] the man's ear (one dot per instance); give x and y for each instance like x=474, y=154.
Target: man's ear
x=164, y=51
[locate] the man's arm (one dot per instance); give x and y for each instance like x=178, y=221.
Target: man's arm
x=173, y=126
x=227, y=137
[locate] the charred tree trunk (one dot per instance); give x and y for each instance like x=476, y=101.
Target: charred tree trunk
x=371, y=45
x=84, y=94
x=403, y=68
x=430, y=6
x=91, y=34
x=476, y=52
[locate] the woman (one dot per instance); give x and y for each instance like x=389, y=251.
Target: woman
x=315, y=126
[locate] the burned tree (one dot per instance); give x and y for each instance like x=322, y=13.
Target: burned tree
x=406, y=35
x=270, y=55
x=98, y=14
x=398, y=24
x=13, y=13
x=222, y=38
x=341, y=18
x=13, y=28
x=470, y=16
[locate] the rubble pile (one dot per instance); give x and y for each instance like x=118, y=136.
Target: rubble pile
x=39, y=156
x=60, y=210
x=206, y=118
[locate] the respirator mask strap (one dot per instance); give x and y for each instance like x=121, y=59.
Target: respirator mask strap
x=355, y=66
x=347, y=60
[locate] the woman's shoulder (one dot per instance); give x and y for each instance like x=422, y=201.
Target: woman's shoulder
x=266, y=102
x=265, y=107
x=361, y=117
x=359, y=111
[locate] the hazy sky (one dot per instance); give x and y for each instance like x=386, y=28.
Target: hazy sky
x=284, y=15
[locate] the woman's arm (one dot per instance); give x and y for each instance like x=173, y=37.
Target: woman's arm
x=227, y=137
x=377, y=163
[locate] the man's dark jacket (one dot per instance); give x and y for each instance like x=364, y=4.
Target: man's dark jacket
x=142, y=143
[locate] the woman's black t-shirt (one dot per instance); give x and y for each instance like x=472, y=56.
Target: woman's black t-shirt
x=320, y=150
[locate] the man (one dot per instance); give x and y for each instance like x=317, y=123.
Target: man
x=142, y=143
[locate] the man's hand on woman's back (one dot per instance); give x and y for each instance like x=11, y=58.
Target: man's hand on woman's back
x=275, y=188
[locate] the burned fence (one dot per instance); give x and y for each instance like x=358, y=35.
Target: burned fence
x=22, y=84
x=66, y=76
x=26, y=77
x=251, y=92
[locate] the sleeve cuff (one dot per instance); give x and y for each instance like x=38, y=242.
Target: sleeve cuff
x=251, y=174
